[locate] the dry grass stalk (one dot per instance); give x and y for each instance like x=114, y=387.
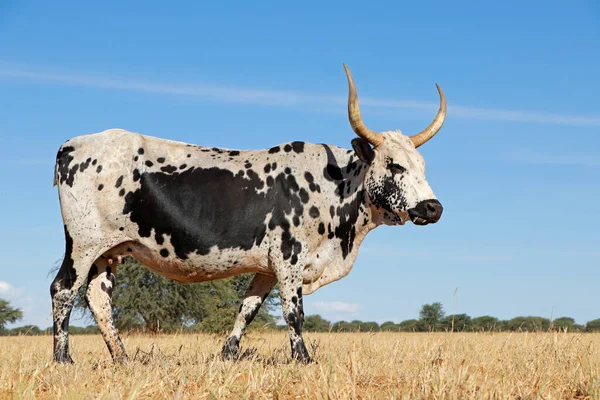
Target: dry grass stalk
x=349, y=366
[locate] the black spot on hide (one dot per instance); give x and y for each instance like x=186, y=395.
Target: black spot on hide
x=203, y=207
x=321, y=228
x=168, y=169
x=298, y=147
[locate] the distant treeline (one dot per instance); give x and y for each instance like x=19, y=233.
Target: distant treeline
x=33, y=330
x=433, y=319
x=462, y=323
x=316, y=323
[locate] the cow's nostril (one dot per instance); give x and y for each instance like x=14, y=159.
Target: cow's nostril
x=433, y=210
x=431, y=207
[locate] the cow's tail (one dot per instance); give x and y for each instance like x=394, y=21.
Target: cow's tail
x=55, y=180
x=64, y=151
x=58, y=155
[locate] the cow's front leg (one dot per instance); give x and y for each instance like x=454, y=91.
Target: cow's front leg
x=290, y=289
x=258, y=290
x=99, y=298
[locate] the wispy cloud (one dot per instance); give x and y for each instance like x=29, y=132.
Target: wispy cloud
x=5, y=288
x=524, y=116
x=281, y=97
x=577, y=159
x=336, y=307
x=19, y=298
x=10, y=292
x=211, y=92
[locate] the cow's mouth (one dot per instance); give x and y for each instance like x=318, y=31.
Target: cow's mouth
x=426, y=212
x=418, y=220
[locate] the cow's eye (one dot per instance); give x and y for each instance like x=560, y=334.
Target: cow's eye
x=396, y=168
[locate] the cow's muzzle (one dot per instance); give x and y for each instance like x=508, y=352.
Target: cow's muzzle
x=426, y=212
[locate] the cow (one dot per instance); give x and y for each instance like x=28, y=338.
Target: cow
x=294, y=214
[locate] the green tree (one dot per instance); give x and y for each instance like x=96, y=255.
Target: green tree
x=486, y=323
x=563, y=323
x=593, y=325
x=142, y=297
x=8, y=315
x=409, y=325
x=431, y=315
x=148, y=301
x=462, y=322
x=88, y=330
x=316, y=323
x=344, y=326
x=29, y=330
x=389, y=326
x=368, y=326
x=530, y=324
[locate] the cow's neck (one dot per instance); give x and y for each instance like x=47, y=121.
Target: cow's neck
x=355, y=214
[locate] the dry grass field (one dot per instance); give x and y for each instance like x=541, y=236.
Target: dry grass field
x=349, y=366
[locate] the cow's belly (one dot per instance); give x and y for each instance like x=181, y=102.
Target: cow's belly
x=196, y=268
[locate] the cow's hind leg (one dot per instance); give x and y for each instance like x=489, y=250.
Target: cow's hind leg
x=71, y=276
x=290, y=290
x=98, y=295
x=258, y=290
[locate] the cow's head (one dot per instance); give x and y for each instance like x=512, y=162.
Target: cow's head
x=395, y=179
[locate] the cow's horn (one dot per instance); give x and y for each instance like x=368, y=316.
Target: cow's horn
x=356, y=121
x=435, y=126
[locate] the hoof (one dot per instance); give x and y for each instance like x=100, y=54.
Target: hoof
x=231, y=349
x=229, y=353
x=123, y=359
x=302, y=356
x=64, y=359
x=305, y=359
x=299, y=353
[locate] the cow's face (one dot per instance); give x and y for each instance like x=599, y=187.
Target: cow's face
x=395, y=181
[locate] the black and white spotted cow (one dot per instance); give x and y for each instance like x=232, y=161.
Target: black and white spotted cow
x=294, y=214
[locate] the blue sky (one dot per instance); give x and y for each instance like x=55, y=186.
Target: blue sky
x=516, y=165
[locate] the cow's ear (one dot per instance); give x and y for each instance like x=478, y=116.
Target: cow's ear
x=363, y=150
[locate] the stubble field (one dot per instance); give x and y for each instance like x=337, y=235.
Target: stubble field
x=349, y=365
